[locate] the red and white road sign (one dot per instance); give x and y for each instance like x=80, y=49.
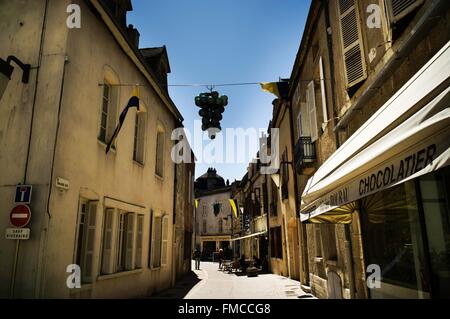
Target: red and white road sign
x=20, y=216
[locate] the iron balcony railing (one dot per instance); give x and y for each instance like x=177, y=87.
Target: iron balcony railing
x=305, y=152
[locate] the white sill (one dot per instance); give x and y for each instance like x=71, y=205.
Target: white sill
x=104, y=145
x=119, y=274
x=138, y=163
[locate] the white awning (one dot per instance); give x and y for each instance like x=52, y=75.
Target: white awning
x=407, y=137
x=249, y=236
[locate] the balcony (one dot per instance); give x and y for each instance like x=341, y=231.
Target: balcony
x=305, y=154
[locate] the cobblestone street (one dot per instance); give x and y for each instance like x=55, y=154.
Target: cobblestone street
x=211, y=283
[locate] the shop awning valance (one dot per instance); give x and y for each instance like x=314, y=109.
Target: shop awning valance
x=406, y=138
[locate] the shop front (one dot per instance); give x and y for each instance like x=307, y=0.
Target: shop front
x=394, y=173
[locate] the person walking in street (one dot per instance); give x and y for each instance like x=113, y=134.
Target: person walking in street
x=197, y=256
x=221, y=256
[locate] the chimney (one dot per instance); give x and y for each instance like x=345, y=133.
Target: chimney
x=133, y=35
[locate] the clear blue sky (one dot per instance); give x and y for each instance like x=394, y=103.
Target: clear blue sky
x=226, y=41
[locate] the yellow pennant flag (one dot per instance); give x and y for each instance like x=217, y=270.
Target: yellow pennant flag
x=196, y=203
x=234, y=206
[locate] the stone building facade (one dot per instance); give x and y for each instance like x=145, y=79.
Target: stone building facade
x=114, y=214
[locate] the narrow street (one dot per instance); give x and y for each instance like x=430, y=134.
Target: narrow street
x=211, y=283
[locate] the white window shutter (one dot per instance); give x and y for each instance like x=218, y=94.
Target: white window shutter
x=139, y=238
x=311, y=102
x=305, y=119
x=351, y=41
x=398, y=9
x=89, y=247
x=156, y=243
x=129, y=242
x=165, y=234
x=107, y=242
x=299, y=125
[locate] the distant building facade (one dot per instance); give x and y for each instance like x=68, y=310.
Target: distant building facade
x=214, y=221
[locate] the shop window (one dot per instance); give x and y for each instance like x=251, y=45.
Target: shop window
x=435, y=193
x=393, y=241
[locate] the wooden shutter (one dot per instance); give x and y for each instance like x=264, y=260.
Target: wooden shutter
x=352, y=44
x=312, y=112
x=139, y=238
x=129, y=242
x=89, y=244
x=107, y=242
x=164, y=241
x=156, y=243
x=399, y=9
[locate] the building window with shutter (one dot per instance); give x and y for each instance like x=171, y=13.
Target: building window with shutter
x=159, y=168
x=399, y=9
x=139, y=137
x=276, y=243
x=108, y=115
x=139, y=240
x=156, y=242
x=125, y=242
x=164, y=240
x=85, y=247
x=351, y=42
x=107, y=247
x=284, y=176
x=312, y=111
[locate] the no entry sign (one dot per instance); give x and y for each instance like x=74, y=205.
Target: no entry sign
x=20, y=216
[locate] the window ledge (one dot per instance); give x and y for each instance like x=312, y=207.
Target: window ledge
x=119, y=274
x=104, y=145
x=159, y=177
x=137, y=163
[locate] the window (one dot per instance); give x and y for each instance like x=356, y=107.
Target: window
x=204, y=226
x=299, y=125
x=160, y=239
x=126, y=242
x=351, y=43
x=398, y=9
x=108, y=113
x=285, y=176
x=107, y=250
x=312, y=111
x=276, y=243
x=392, y=225
x=122, y=241
x=139, y=137
x=317, y=241
x=86, y=239
x=156, y=242
x=139, y=240
x=274, y=203
x=220, y=226
x=265, y=199
x=159, y=169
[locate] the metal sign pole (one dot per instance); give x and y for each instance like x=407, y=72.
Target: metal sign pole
x=13, y=277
